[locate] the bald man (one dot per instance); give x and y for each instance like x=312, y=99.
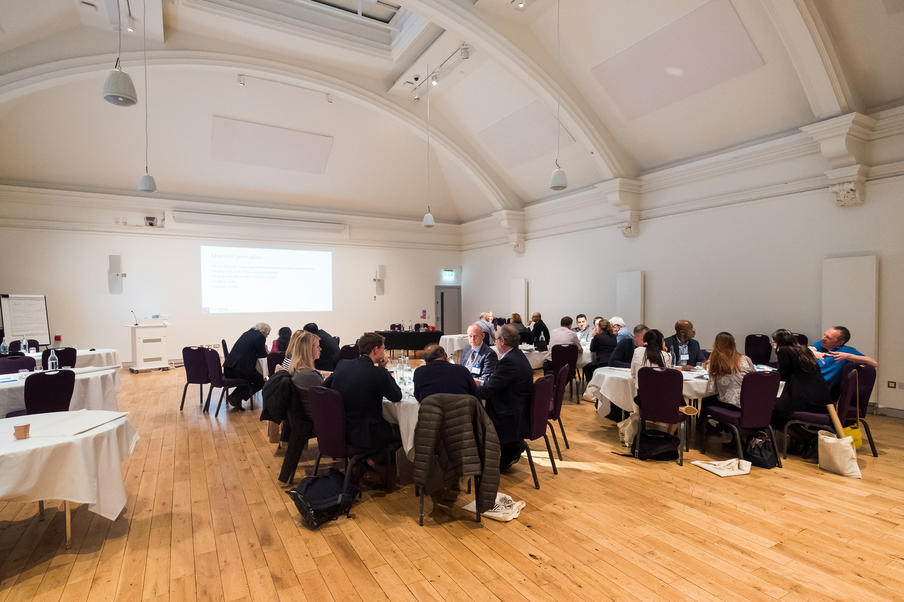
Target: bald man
x=685, y=350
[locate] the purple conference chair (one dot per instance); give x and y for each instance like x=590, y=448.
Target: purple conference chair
x=217, y=380
x=14, y=363
x=274, y=359
x=348, y=352
x=195, y=364
x=866, y=379
x=225, y=349
x=758, y=393
x=65, y=355
x=758, y=347
x=821, y=420
x=565, y=355
x=47, y=392
x=801, y=338
x=539, y=413
x=15, y=345
x=555, y=410
x=660, y=392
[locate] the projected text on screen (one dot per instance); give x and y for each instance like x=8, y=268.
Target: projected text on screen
x=245, y=280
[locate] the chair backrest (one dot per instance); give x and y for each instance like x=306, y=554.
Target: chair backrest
x=801, y=338
x=14, y=363
x=15, y=345
x=865, y=381
x=212, y=366
x=758, y=393
x=337, y=341
x=561, y=379
x=499, y=321
x=328, y=414
x=348, y=352
x=274, y=359
x=660, y=391
x=758, y=348
x=65, y=357
x=49, y=391
x=565, y=355
x=539, y=413
x=195, y=362
x=417, y=327
x=845, y=406
x=225, y=349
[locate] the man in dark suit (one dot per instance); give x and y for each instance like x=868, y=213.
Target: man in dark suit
x=538, y=327
x=329, y=348
x=242, y=363
x=509, y=392
x=685, y=350
x=437, y=375
x=624, y=351
x=479, y=358
x=364, y=382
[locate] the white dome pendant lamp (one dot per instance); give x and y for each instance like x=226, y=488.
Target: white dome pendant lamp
x=558, y=180
x=428, y=220
x=146, y=183
x=118, y=87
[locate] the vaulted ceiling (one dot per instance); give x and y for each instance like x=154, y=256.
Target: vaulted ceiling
x=309, y=104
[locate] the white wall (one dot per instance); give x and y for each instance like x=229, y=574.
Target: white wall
x=163, y=277
x=746, y=269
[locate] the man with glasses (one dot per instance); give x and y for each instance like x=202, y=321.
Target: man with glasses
x=509, y=392
x=479, y=359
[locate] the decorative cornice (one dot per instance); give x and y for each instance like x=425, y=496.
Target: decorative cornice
x=842, y=141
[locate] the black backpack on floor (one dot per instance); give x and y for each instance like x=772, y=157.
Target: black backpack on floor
x=655, y=445
x=320, y=498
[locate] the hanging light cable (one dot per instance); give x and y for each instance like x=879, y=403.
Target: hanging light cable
x=118, y=87
x=558, y=180
x=146, y=183
x=428, y=221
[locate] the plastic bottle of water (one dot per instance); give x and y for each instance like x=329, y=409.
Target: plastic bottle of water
x=53, y=363
x=23, y=346
x=4, y=348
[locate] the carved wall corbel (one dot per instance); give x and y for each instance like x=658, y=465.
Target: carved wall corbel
x=843, y=141
x=512, y=222
x=623, y=195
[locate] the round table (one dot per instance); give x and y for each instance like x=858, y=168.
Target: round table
x=95, y=389
x=615, y=386
x=404, y=413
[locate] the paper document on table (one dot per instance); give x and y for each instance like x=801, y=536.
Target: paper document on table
x=67, y=424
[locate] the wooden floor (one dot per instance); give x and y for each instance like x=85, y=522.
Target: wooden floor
x=207, y=520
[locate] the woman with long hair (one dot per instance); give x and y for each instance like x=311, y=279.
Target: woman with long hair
x=805, y=388
x=526, y=337
x=298, y=428
x=727, y=367
x=653, y=353
x=282, y=342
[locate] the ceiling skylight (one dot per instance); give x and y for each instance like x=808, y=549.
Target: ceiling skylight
x=376, y=10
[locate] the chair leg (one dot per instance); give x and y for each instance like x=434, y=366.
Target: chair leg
x=468, y=490
x=207, y=401
x=564, y=438
x=775, y=445
x=41, y=510
x=184, y=390
x=476, y=495
x=533, y=469
x=222, y=393
x=200, y=395
x=552, y=459
x=317, y=462
x=869, y=437
x=554, y=438
x=737, y=434
x=68, y=524
x=421, y=518
x=682, y=430
x=786, y=440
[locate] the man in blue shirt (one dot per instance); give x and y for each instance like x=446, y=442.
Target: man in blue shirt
x=622, y=333
x=832, y=352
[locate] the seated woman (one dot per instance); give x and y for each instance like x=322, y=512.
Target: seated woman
x=298, y=427
x=282, y=343
x=526, y=337
x=601, y=346
x=727, y=368
x=653, y=353
x=287, y=361
x=805, y=388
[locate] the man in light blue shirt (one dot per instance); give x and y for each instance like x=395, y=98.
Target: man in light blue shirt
x=832, y=352
x=623, y=332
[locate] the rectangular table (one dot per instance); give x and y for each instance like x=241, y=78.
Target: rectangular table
x=95, y=389
x=409, y=339
x=86, y=358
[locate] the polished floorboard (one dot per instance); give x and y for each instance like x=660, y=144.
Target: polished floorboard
x=207, y=520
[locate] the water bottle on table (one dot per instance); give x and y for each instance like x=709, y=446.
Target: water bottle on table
x=4, y=348
x=53, y=363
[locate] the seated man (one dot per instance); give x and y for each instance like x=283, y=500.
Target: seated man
x=619, y=329
x=583, y=329
x=563, y=335
x=479, y=359
x=329, y=349
x=624, y=351
x=538, y=328
x=485, y=321
x=437, y=375
x=833, y=351
x=509, y=392
x=364, y=382
x=242, y=363
x=685, y=350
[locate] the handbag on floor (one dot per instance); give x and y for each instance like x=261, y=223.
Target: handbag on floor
x=760, y=450
x=320, y=498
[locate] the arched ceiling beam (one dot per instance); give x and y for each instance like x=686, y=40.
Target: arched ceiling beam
x=814, y=56
x=49, y=75
x=479, y=29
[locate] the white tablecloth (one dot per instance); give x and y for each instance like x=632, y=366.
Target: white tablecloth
x=84, y=468
x=404, y=413
x=95, y=389
x=615, y=386
x=453, y=342
x=85, y=359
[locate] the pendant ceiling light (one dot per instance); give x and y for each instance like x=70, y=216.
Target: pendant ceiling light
x=428, y=220
x=558, y=180
x=118, y=87
x=146, y=183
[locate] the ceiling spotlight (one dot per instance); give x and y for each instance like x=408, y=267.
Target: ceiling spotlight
x=130, y=27
x=241, y=80
x=519, y=3
x=464, y=53
x=434, y=80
